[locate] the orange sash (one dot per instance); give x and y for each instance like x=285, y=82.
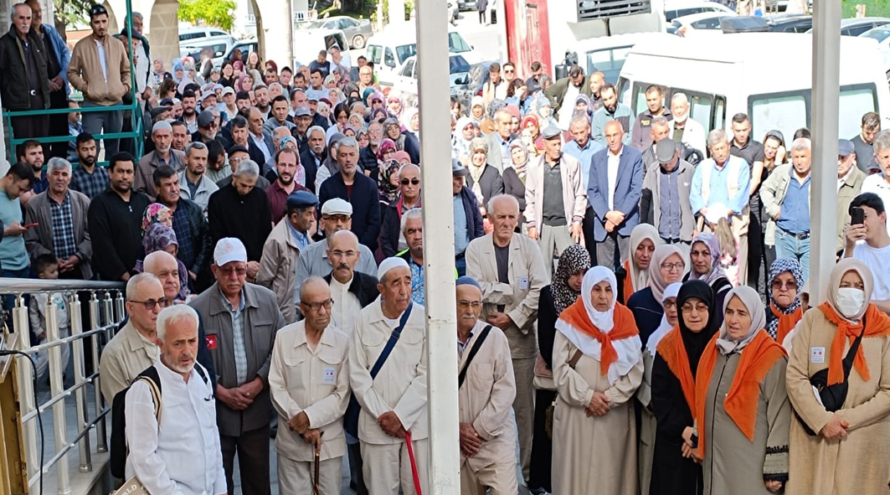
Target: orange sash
x=672, y=350
x=878, y=325
x=628, y=282
x=786, y=322
x=625, y=327
x=756, y=360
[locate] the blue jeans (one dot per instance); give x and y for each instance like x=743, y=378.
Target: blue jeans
x=788, y=246
x=461, y=265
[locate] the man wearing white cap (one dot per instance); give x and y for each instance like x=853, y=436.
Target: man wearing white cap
x=387, y=373
x=163, y=154
x=241, y=321
x=336, y=215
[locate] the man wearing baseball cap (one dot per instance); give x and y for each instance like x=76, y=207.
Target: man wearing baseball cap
x=241, y=320
x=849, y=184
x=227, y=106
x=336, y=215
x=207, y=127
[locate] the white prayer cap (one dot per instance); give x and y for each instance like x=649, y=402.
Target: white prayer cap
x=388, y=264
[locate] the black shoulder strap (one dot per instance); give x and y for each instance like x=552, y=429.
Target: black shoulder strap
x=391, y=343
x=463, y=372
x=851, y=353
x=201, y=372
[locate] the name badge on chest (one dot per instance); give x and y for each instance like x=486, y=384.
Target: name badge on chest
x=329, y=376
x=523, y=283
x=817, y=355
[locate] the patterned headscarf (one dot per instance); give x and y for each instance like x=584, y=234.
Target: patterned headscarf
x=573, y=260
x=388, y=192
x=158, y=237
x=156, y=213
x=780, y=266
x=385, y=146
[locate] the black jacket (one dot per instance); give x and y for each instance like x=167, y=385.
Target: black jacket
x=364, y=287
x=116, y=230
x=246, y=217
x=365, y=202
x=391, y=229
x=200, y=231
x=308, y=162
x=411, y=146
x=14, y=84
x=490, y=182
x=367, y=160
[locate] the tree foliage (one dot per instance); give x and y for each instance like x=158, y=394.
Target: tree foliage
x=68, y=12
x=219, y=13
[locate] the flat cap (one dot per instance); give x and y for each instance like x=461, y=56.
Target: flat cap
x=551, y=132
x=665, y=149
x=845, y=147
x=301, y=199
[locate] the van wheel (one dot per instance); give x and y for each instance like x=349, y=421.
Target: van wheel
x=358, y=42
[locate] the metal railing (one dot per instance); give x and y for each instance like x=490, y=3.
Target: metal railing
x=106, y=311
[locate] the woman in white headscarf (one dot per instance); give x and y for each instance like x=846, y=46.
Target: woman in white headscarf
x=597, y=368
x=464, y=133
x=742, y=412
x=847, y=447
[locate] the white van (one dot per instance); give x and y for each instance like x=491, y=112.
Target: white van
x=307, y=44
x=721, y=80
x=390, y=49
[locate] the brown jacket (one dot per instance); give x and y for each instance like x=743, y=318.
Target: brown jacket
x=85, y=70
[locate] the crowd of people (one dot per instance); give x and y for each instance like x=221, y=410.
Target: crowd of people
x=611, y=317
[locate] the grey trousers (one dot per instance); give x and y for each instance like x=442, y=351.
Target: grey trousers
x=605, y=250
x=524, y=409
x=299, y=477
x=104, y=123
x=553, y=237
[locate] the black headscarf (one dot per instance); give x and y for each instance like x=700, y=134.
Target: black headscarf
x=695, y=343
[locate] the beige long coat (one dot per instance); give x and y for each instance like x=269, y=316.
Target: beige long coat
x=592, y=455
x=859, y=464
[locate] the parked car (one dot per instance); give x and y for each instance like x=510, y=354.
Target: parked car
x=855, y=27
x=406, y=79
x=195, y=38
x=391, y=48
x=479, y=76
x=465, y=5
x=681, y=8
x=247, y=47
x=357, y=31
x=881, y=34
x=705, y=21
x=313, y=41
x=790, y=23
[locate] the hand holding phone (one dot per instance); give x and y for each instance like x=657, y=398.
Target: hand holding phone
x=29, y=225
x=857, y=215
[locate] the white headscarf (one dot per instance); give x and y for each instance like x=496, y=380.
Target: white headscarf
x=665, y=327
x=751, y=299
x=629, y=350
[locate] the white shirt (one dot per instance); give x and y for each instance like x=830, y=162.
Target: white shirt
x=568, y=106
x=102, y=59
x=878, y=184
x=346, y=307
x=260, y=142
x=182, y=456
x=878, y=260
x=141, y=67
x=612, y=175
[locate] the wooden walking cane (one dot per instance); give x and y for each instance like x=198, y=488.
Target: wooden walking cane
x=317, y=461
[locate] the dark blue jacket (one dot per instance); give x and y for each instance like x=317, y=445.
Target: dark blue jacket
x=628, y=190
x=365, y=201
x=474, y=218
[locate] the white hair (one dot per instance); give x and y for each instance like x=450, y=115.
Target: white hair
x=882, y=140
x=248, y=169
x=133, y=283
x=173, y=314
x=502, y=197
x=413, y=213
x=716, y=136
x=801, y=144
x=680, y=99
x=57, y=163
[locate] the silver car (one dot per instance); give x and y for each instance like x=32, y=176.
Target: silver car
x=357, y=31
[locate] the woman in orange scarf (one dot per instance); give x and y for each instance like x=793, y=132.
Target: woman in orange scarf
x=741, y=408
x=597, y=368
x=634, y=275
x=784, y=311
x=850, y=450
x=675, y=472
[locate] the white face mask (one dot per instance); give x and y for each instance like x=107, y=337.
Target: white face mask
x=850, y=301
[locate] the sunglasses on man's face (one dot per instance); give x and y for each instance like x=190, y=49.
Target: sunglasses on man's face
x=150, y=304
x=413, y=182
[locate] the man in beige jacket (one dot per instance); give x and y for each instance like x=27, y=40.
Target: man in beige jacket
x=309, y=382
x=511, y=272
x=278, y=265
x=134, y=348
x=485, y=398
x=394, y=403
x=555, y=199
x=100, y=69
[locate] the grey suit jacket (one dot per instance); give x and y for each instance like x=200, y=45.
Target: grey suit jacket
x=39, y=239
x=262, y=319
x=495, y=156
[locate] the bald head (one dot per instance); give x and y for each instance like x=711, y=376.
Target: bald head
x=614, y=133
x=343, y=254
x=315, y=304
x=313, y=286
x=163, y=265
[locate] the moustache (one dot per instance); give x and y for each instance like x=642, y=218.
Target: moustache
x=343, y=266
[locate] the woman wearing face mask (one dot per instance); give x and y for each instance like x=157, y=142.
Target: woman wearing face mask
x=644, y=394
x=705, y=257
x=742, y=412
x=846, y=449
x=635, y=274
x=597, y=368
x=667, y=267
x=674, y=470
x=784, y=310
x=555, y=298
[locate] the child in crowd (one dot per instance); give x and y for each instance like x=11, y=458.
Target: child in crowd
x=47, y=268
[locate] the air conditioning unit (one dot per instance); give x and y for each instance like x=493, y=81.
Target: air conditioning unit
x=586, y=10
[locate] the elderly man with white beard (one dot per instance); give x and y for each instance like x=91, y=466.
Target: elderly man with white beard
x=486, y=389
x=393, y=422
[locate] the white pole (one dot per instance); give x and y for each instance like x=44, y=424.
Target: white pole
x=438, y=243
x=826, y=88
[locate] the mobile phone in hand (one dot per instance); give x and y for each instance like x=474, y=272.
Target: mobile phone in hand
x=857, y=215
x=29, y=225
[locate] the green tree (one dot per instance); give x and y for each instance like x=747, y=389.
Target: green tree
x=68, y=12
x=219, y=13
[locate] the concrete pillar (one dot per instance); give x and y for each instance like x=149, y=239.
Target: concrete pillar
x=274, y=17
x=162, y=30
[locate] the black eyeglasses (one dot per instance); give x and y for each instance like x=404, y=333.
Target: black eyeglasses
x=413, y=182
x=151, y=303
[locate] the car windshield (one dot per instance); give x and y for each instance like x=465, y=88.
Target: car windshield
x=458, y=65
x=311, y=24
x=877, y=34
x=405, y=51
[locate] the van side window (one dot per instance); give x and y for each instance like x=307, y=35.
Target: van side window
x=388, y=59
x=854, y=102
x=786, y=112
x=374, y=53
x=608, y=61
x=719, y=113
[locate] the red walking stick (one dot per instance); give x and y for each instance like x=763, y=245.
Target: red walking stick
x=414, y=474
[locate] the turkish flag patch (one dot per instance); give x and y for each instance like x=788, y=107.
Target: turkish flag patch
x=211, y=342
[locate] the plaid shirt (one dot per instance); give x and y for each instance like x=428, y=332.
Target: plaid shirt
x=64, y=243
x=183, y=230
x=238, y=337
x=90, y=184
